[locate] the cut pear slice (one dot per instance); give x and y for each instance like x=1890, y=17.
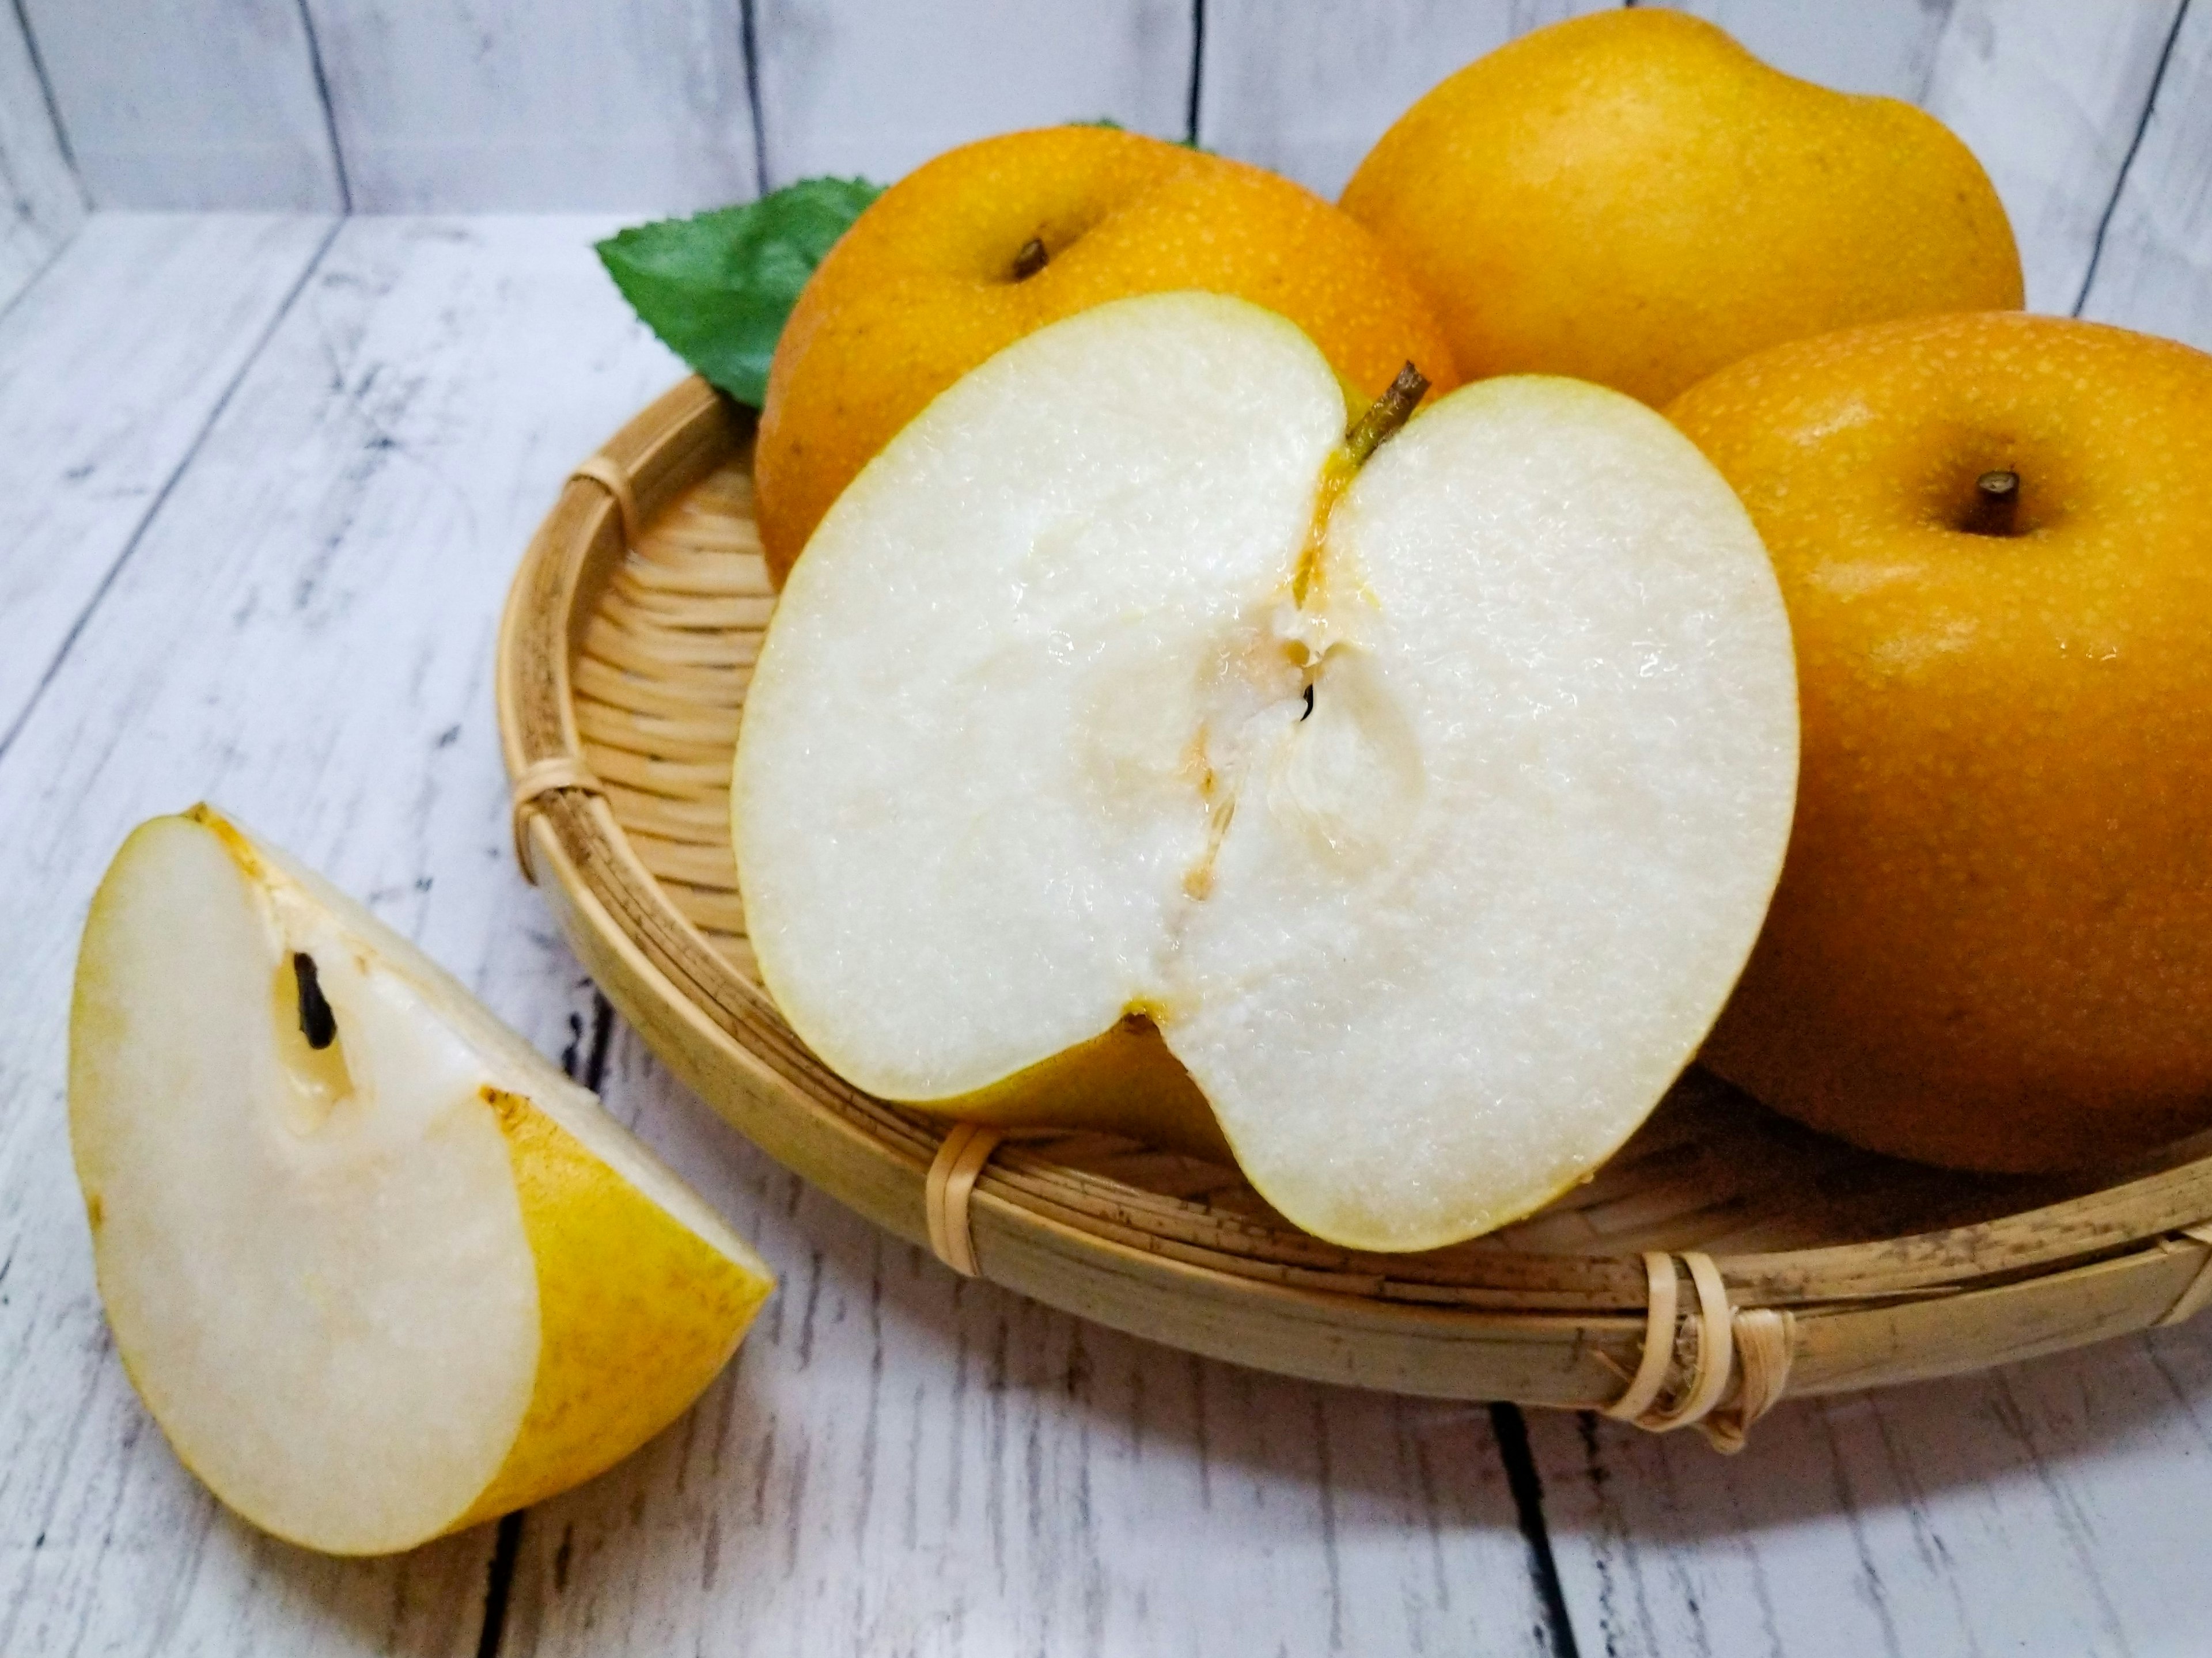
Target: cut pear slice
x=377, y=1269
x=1431, y=837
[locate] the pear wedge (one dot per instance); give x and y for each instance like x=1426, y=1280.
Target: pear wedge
x=378, y=1270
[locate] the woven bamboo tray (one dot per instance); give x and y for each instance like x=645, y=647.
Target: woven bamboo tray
x=1723, y=1257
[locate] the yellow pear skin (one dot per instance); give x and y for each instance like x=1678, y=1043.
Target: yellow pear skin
x=1632, y=197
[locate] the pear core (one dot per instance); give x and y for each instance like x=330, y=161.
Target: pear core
x=1431, y=843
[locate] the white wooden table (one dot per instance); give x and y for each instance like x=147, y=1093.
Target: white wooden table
x=263, y=480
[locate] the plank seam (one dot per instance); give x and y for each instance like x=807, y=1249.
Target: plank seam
x=329, y=115
x=53, y=107
x=1510, y=1430
x=499, y=1582
x=748, y=45
x=44, y=266
x=1197, y=70
x=2128, y=162
x=161, y=496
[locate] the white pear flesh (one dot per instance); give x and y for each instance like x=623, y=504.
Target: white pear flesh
x=1432, y=848
x=352, y=1284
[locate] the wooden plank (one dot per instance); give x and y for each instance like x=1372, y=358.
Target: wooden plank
x=190, y=106
x=2154, y=269
x=2033, y=1508
x=901, y=1461
x=1307, y=90
x=41, y=203
x=2041, y=1508
x=304, y=634
x=1882, y=46
x=2048, y=94
x=103, y=395
x=441, y=106
x=877, y=87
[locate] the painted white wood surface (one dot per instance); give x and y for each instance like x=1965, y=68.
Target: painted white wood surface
x=2154, y=270
x=41, y=203
x=902, y=1462
x=1884, y=46
x=1307, y=90
x=304, y=634
x=267, y=641
x=111, y=367
x=457, y=106
x=193, y=105
x=2048, y=94
x=877, y=87
x=2046, y=1508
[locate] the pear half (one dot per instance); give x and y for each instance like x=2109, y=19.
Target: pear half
x=1429, y=819
x=376, y=1268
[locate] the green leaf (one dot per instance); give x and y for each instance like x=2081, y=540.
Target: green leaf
x=718, y=288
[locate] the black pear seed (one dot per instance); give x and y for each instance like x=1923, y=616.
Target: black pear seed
x=317, y=1023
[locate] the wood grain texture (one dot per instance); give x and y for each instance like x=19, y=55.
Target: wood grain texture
x=304, y=634
x=2154, y=270
x=2050, y=95
x=2041, y=1508
x=877, y=87
x=1883, y=47
x=904, y=1462
x=103, y=395
x=2036, y=1508
x=1306, y=90
x=454, y=105
x=41, y=203
x=196, y=107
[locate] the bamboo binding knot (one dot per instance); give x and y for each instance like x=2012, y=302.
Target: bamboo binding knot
x=2198, y=1291
x=1751, y=1347
x=535, y=781
x=610, y=475
x=953, y=1176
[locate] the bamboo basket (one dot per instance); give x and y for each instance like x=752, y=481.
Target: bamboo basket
x=1722, y=1258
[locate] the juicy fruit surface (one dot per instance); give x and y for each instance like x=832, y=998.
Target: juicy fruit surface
x=1029, y=746
x=922, y=289
x=346, y=1279
x=1502, y=878
x=1632, y=199
x=1992, y=943
x=1041, y=598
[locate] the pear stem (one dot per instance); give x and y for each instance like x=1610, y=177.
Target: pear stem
x=1031, y=259
x=1386, y=415
x=1997, y=504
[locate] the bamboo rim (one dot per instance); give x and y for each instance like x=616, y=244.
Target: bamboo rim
x=632, y=767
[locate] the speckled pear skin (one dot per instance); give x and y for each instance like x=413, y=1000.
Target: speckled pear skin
x=922, y=288
x=1632, y=197
x=1992, y=943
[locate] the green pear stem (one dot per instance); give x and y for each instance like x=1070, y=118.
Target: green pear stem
x=1030, y=259
x=1386, y=415
x=1997, y=504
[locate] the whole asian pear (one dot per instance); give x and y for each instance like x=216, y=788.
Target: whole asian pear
x=1632, y=197
x=996, y=239
x=1991, y=946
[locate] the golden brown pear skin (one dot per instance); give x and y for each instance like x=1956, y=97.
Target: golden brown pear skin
x=1991, y=946
x=1632, y=197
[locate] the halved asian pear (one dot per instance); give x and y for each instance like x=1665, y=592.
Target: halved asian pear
x=378, y=1269
x=1429, y=819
